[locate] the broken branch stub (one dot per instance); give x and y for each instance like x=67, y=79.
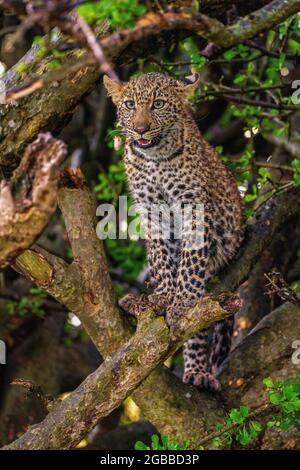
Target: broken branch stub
x=28, y=201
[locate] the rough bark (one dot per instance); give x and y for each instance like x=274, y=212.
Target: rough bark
x=29, y=200
x=46, y=109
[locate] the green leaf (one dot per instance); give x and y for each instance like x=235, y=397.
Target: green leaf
x=244, y=437
x=155, y=442
x=139, y=445
x=296, y=180
x=256, y=426
x=268, y=382
x=244, y=411
x=229, y=55
x=216, y=442
x=275, y=398
x=236, y=416
x=240, y=78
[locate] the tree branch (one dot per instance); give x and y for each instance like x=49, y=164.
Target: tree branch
x=260, y=231
x=105, y=389
x=56, y=101
x=24, y=215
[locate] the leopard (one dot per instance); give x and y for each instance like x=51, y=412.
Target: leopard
x=168, y=162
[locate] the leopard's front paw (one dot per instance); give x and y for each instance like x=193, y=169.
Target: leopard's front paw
x=174, y=311
x=134, y=304
x=203, y=380
x=160, y=300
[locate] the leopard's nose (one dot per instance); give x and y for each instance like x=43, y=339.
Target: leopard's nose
x=141, y=130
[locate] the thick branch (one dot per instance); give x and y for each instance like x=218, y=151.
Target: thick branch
x=24, y=215
x=116, y=378
x=46, y=109
x=56, y=100
x=265, y=351
x=100, y=310
x=260, y=232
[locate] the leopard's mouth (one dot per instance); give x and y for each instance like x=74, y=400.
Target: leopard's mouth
x=147, y=143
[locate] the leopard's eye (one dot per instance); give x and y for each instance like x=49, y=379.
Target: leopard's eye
x=158, y=104
x=130, y=104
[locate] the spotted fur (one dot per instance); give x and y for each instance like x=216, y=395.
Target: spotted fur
x=168, y=161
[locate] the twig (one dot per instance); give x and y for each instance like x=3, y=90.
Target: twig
x=258, y=411
x=222, y=90
x=267, y=52
x=155, y=23
x=96, y=49
x=277, y=285
x=259, y=103
x=36, y=391
x=275, y=166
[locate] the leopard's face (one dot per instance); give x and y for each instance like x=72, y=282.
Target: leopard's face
x=149, y=107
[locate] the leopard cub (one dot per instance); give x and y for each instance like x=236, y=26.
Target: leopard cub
x=168, y=162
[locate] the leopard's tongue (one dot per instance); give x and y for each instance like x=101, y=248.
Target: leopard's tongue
x=144, y=141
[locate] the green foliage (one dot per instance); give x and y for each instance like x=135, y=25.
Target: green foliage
x=121, y=13
x=296, y=166
x=111, y=183
x=161, y=443
x=240, y=166
x=237, y=426
x=239, y=51
x=242, y=425
x=33, y=303
x=127, y=255
x=285, y=394
x=191, y=48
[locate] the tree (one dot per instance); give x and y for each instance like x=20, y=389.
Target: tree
x=247, y=58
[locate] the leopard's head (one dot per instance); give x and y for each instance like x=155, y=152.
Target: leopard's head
x=150, y=106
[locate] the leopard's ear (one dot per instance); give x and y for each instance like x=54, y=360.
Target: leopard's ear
x=114, y=89
x=188, y=85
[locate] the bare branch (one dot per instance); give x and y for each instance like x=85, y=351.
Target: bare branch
x=35, y=390
x=277, y=285
x=121, y=47
x=153, y=24
x=96, y=49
